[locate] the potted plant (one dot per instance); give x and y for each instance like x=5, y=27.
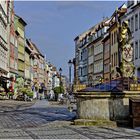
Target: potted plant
x=30, y=95
x=10, y=95
x=58, y=90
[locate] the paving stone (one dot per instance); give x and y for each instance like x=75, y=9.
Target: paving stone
x=42, y=121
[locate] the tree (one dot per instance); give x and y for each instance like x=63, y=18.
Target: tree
x=58, y=90
x=19, y=83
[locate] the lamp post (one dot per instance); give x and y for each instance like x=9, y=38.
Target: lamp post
x=70, y=65
x=110, y=76
x=60, y=72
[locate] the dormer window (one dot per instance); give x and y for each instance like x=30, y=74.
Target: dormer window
x=130, y=3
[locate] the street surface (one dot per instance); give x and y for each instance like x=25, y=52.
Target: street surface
x=44, y=120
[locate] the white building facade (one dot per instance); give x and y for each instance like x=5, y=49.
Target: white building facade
x=133, y=17
x=4, y=38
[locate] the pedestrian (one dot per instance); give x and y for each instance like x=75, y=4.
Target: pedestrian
x=40, y=92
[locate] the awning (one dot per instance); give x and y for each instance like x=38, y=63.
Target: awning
x=3, y=78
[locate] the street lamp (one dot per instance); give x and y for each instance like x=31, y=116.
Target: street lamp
x=70, y=65
x=60, y=72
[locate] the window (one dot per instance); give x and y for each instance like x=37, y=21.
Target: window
x=136, y=50
x=116, y=36
x=98, y=67
x=21, y=32
x=100, y=32
x=130, y=3
x=136, y=22
x=106, y=68
x=81, y=55
x=81, y=71
x=139, y=20
x=12, y=39
x=112, y=60
x=98, y=49
x=90, y=68
x=132, y=24
x=112, y=39
x=116, y=59
x=106, y=48
x=90, y=51
x=139, y=48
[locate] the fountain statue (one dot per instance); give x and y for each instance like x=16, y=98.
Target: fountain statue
x=126, y=66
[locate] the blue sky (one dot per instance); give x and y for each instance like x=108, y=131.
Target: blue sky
x=52, y=26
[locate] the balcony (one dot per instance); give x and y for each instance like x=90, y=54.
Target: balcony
x=81, y=63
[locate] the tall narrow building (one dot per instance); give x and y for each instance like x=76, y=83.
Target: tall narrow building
x=27, y=64
x=114, y=45
x=4, y=60
x=20, y=28
x=106, y=58
x=13, y=48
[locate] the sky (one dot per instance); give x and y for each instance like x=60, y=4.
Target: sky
x=53, y=25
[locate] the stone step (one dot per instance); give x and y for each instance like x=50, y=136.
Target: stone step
x=123, y=123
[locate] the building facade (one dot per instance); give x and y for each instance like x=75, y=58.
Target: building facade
x=41, y=69
x=114, y=40
x=27, y=64
x=90, y=63
x=113, y=31
x=106, y=58
x=20, y=28
x=133, y=17
x=4, y=6
x=89, y=54
x=81, y=57
x=13, y=48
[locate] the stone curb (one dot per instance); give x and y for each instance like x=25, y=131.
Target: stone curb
x=86, y=122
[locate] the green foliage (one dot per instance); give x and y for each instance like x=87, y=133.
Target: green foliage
x=10, y=93
x=26, y=91
x=19, y=83
x=3, y=93
x=58, y=90
x=30, y=94
x=21, y=90
x=1, y=89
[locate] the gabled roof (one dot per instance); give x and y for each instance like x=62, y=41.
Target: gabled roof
x=33, y=45
x=92, y=29
x=21, y=20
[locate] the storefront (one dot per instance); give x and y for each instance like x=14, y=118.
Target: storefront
x=3, y=83
x=3, y=80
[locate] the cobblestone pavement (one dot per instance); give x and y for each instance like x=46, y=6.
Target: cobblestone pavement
x=10, y=105
x=45, y=121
